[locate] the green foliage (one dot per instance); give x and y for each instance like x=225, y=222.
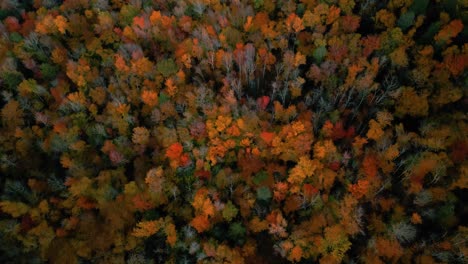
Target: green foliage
x=229, y=211
x=260, y=177
x=15, y=37
x=127, y=13
x=431, y=31
x=258, y=4
x=406, y=20
x=263, y=193
x=320, y=53
x=163, y=98
x=237, y=232
x=419, y=6
x=11, y=79
x=49, y=71
x=166, y=67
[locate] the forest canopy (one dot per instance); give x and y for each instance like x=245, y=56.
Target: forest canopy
x=243, y=131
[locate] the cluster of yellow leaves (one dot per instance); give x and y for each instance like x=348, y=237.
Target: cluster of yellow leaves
x=142, y=67
x=304, y=168
x=81, y=72
x=44, y=235
x=218, y=149
x=265, y=58
x=204, y=209
x=49, y=24
x=375, y=130
x=387, y=157
x=321, y=14
x=80, y=186
x=257, y=225
x=324, y=148
x=399, y=57
x=171, y=234
x=15, y=209
x=293, y=141
x=223, y=254
x=384, y=118
x=335, y=244
x=326, y=178
x=140, y=135
x=12, y=114
x=349, y=212
x=222, y=122
x=147, y=228
x=295, y=87
x=386, y=17
x=411, y=103
x=284, y=114
x=202, y=203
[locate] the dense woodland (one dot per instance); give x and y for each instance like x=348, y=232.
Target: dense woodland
x=243, y=131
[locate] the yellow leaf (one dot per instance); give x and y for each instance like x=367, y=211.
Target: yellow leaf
x=61, y=23
x=257, y=225
x=171, y=234
x=44, y=206
x=45, y=234
x=140, y=135
x=131, y=188
x=15, y=209
x=80, y=186
x=375, y=131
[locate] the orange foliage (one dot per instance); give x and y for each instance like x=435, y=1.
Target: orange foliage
x=200, y=223
x=150, y=98
x=295, y=254
x=147, y=228
x=359, y=189
x=257, y=225
x=294, y=23
x=449, y=31
x=140, y=202
x=416, y=218
x=333, y=14
x=171, y=234
x=375, y=131
x=174, y=151
x=390, y=249
x=369, y=166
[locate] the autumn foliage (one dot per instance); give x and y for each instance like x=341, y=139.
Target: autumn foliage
x=244, y=131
